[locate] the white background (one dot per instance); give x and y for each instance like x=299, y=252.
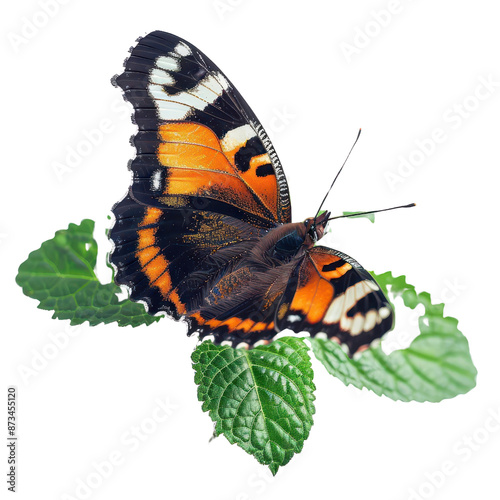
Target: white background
x=410, y=75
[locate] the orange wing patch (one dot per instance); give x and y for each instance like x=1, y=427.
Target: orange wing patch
x=153, y=264
x=313, y=295
x=200, y=165
x=314, y=291
x=335, y=297
x=233, y=325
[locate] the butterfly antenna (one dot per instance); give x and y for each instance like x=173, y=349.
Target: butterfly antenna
x=372, y=211
x=338, y=173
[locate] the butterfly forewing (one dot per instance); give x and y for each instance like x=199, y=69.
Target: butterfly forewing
x=198, y=141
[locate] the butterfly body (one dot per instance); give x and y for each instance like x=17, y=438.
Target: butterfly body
x=261, y=269
x=205, y=232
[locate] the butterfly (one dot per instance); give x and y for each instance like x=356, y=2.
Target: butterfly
x=205, y=232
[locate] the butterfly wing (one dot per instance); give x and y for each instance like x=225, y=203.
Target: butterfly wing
x=207, y=183
x=199, y=144
x=240, y=306
x=330, y=293
x=167, y=257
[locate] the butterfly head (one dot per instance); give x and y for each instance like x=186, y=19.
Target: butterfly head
x=316, y=226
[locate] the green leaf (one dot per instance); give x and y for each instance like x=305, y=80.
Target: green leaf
x=60, y=274
x=370, y=217
x=436, y=366
x=261, y=399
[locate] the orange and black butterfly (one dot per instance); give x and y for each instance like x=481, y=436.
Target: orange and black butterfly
x=205, y=232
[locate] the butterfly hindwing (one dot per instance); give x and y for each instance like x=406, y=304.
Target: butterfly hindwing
x=168, y=257
x=330, y=293
x=240, y=305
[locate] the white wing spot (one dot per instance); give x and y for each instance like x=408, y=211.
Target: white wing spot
x=237, y=137
x=169, y=63
x=370, y=320
x=337, y=312
x=341, y=304
x=182, y=49
x=181, y=105
x=161, y=77
x=357, y=324
x=156, y=180
x=223, y=81
x=384, y=312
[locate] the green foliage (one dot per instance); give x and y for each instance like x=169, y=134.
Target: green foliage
x=370, y=217
x=60, y=274
x=261, y=399
x=436, y=366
